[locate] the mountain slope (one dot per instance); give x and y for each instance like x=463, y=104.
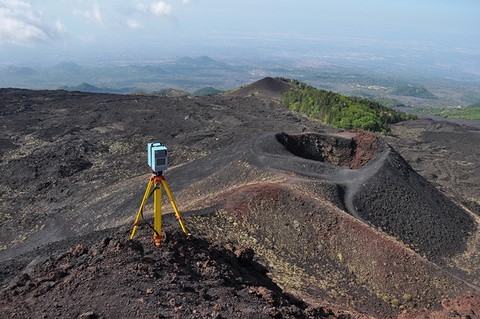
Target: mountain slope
x=308, y=199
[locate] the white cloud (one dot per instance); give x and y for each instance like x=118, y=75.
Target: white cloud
x=94, y=15
x=161, y=8
x=185, y=1
x=141, y=7
x=87, y=38
x=134, y=24
x=20, y=24
x=60, y=28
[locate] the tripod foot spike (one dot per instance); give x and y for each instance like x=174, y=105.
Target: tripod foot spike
x=158, y=240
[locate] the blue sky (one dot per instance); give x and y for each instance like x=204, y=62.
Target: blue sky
x=50, y=30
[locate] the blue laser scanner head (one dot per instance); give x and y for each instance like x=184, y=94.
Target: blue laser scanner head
x=157, y=157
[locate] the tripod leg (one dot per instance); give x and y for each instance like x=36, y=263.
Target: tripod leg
x=140, y=210
x=174, y=205
x=157, y=214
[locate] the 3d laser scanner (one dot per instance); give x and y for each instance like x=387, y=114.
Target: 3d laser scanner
x=157, y=160
x=157, y=157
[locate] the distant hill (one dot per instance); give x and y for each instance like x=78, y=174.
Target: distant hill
x=267, y=87
x=21, y=71
x=151, y=70
x=86, y=87
x=388, y=102
x=207, y=91
x=414, y=91
x=67, y=67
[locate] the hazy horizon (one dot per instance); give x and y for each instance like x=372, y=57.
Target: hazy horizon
x=442, y=33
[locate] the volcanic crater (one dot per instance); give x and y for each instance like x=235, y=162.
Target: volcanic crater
x=353, y=150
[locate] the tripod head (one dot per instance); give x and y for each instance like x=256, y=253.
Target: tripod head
x=157, y=156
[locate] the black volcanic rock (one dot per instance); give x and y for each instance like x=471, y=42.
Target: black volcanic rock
x=403, y=204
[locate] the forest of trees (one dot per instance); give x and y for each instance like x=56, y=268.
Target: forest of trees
x=342, y=111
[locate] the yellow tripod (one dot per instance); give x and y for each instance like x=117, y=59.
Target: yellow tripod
x=156, y=183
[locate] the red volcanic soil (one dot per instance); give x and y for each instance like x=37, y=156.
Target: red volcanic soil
x=463, y=307
x=185, y=278
x=324, y=256
x=290, y=219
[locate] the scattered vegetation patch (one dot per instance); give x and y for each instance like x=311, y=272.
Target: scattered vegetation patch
x=475, y=105
x=207, y=91
x=342, y=111
x=169, y=92
x=466, y=113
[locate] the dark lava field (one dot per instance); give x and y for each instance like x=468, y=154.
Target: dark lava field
x=289, y=218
